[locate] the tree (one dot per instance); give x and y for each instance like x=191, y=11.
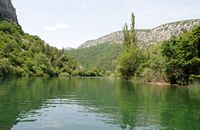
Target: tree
x=196, y=34
x=6, y=68
x=132, y=32
x=126, y=41
x=25, y=55
x=182, y=57
x=128, y=63
x=129, y=35
x=130, y=59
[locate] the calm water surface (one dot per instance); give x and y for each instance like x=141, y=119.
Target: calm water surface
x=96, y=104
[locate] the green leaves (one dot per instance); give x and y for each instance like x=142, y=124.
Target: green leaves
x=100, y=56
x=6, y=68
x=129, y=35
x=129, y=60
x=26, y=55
x=128, y=63
x=182, y=54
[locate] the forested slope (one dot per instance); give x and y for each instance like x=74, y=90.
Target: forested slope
x=101, y=56
x=22, y=54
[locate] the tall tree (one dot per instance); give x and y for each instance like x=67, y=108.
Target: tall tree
x=130, y=59
x=126, y=42
x=196, y=34
x=130, y=35
x=132, y=31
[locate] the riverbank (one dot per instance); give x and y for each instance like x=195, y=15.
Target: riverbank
x=160, y=83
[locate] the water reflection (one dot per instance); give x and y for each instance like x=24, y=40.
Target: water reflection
x=60, y=103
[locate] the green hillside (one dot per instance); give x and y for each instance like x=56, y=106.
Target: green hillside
x=22, y=54
x=101, y=56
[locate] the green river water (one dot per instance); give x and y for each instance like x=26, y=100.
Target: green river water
x=96, y=104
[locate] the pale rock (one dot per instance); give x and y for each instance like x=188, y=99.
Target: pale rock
x=147, y=37
x=7, y=11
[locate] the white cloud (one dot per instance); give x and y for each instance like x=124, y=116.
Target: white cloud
x=62, y=26
x=59, y=26
x=50, y=28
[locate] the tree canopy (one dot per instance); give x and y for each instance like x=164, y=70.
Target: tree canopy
x=22, y=54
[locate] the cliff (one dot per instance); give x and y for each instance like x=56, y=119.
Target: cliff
x=147, y=36
x=7, y=11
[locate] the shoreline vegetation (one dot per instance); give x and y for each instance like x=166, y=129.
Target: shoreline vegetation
x=175, y=61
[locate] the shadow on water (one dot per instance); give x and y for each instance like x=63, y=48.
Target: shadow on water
x=119, y=103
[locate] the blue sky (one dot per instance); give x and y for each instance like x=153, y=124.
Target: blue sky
x=68, y=23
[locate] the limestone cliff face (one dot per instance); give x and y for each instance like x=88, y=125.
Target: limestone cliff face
x=7, y=11
x=147, y=37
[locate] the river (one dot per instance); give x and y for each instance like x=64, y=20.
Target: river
x=96, y=104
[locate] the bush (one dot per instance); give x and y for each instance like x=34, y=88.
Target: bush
x=128, y=63
x=6, y=68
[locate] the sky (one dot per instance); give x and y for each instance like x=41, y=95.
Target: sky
x=69, y=23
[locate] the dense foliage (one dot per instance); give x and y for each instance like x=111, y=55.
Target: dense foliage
x=152, y=67
x=102, y=56
x=22, y=54
x=130, y=58
x=128, y=63
x=176, y=61
x=183, y=57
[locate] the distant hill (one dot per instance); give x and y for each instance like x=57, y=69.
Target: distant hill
x=103, y=51
x=68, y=48
x=100, y=56
x=147, y=36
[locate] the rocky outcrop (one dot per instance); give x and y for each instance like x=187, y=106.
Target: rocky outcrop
x=7, y=11
x=115, y=37
x=147, y=36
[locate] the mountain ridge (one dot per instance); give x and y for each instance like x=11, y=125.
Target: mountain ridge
x=147, y=37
